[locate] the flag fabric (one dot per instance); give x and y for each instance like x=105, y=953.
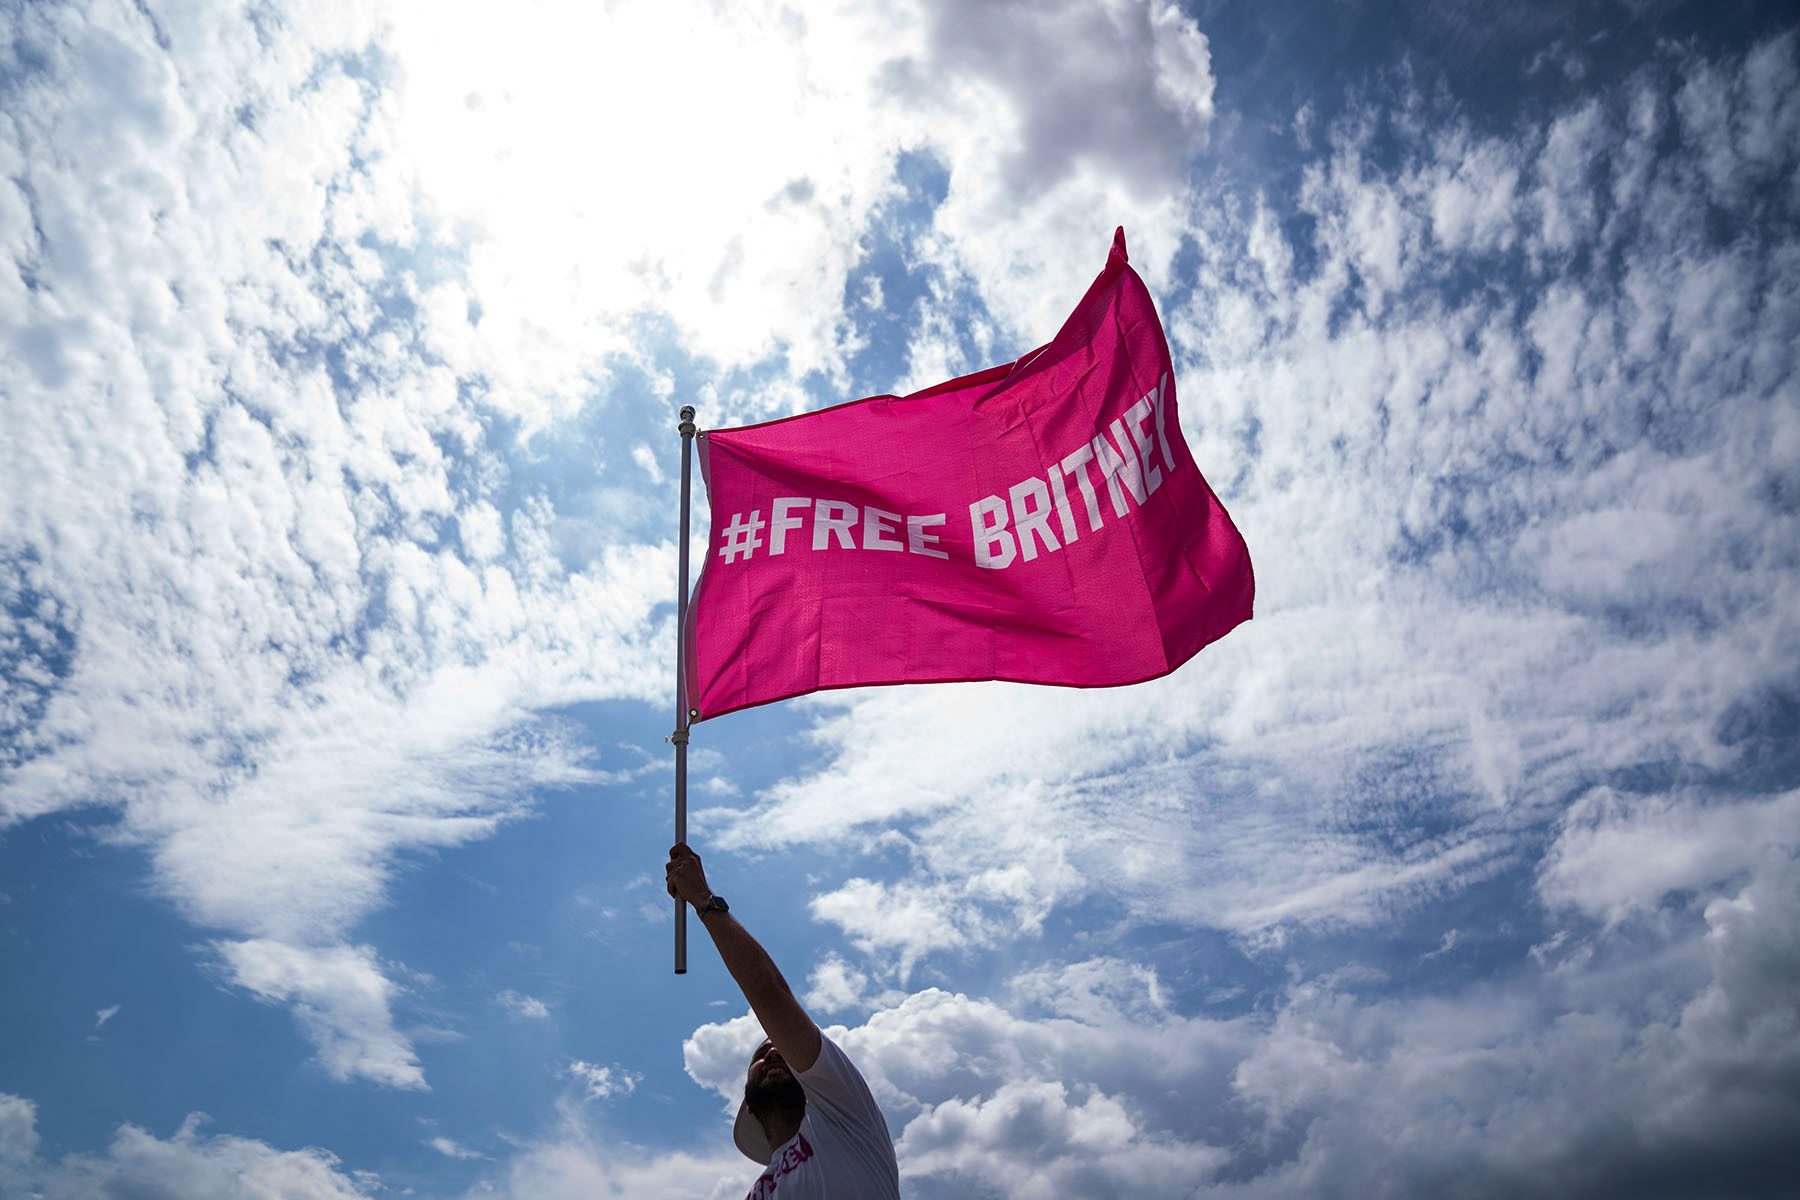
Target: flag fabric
x=1039, y=522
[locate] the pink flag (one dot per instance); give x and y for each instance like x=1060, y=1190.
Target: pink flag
x=1040, y=522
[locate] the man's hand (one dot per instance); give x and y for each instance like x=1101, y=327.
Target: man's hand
x=685, y=876
x=786, y=1023
x=755, y=973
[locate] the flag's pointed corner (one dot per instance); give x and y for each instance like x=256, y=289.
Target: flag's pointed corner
x=1118, y=246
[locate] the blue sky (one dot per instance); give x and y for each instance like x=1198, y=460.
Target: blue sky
x=342, y=352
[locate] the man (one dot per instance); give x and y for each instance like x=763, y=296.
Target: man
x=807, y=1115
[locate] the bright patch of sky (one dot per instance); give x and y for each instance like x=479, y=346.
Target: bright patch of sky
x=342, y=347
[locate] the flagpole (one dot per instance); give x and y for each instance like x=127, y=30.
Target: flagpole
x=680, y=736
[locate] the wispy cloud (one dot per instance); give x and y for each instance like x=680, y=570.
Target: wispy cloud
x=258, y=595
x=450, y=1149
x=518, y=1004
x=1511, y=541
x=266, y=590
x=603, y=1082
x=1506, y=419
x=295, y=311
x=342, y=999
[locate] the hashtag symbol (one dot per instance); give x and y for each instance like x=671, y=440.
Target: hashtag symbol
x=740, y=535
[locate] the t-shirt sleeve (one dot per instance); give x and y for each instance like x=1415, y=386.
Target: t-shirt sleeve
x=835, y=1085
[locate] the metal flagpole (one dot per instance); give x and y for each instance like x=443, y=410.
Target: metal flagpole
x=680, y=736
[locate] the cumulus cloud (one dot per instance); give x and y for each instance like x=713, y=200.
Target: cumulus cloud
x=574, y=1161
x=835, y=986
x=1039, y=1134
x=1618, y=1087
x=1585, y=1079
x=951, y=1066
x=190, y=1164
x=18, y=1128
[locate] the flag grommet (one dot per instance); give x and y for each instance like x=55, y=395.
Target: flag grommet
x=693, y=714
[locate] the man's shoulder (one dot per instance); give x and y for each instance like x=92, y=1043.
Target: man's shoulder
x=832, y=1066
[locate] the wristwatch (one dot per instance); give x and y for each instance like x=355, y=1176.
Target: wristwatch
x=714, y=903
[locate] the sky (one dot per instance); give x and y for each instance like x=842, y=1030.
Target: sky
x=342, y=347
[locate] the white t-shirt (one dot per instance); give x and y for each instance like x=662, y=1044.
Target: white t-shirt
x=843, y=1151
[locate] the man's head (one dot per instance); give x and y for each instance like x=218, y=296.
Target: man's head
x=770, y=1089
x=772, y=1097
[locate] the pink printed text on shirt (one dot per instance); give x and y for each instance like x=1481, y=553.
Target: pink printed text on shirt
x=797, y=1151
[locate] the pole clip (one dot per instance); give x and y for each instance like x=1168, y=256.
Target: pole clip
x=678, y=738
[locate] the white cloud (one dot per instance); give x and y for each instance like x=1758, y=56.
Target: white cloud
x=1522, y=567
x=343, y=1002
x=258, y=591
x=1095, y=991
x=903, y=920
x=106, y=1014
x=1620, y=1087
x=1512, y=540
x=276, y=613
x=1046, y=115
x=1587, y=1078
x=575, y=1161
x=18, y=1128
x=1048, y=1145
x=1617, y=853
x=834, y=986
x=934, y=1046
x=717, y=1055
x=232, y=570
x=482, y=531
x=647, y=462
x=1444, y=947
x=982, y=1098
x=449, y=1148
x=189, y=1164
x=520, y=1005
x=603, y=1083
x=804, y=115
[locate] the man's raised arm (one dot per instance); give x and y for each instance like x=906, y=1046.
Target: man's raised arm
x=757, y=976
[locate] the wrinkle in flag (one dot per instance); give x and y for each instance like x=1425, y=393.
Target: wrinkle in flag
x=1038, y=522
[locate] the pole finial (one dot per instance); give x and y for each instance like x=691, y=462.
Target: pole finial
x=686, y=428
